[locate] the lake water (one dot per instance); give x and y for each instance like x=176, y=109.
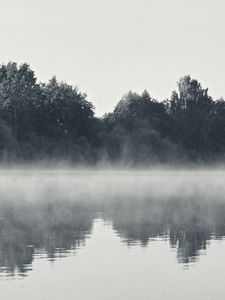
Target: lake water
x=112, y=235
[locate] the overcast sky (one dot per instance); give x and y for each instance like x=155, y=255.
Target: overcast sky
x=107, y=47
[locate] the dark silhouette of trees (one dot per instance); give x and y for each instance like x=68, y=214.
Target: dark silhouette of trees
x=191, y=110
x=43, y=119
x=64, y=119
x=55, y=120
x=136, y=130
x=17, y=96
x=217, y=132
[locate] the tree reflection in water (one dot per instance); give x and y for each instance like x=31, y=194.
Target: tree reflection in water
x=56, y=227
x=27, y=228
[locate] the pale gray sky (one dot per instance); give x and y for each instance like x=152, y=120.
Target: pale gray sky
x=108, y=47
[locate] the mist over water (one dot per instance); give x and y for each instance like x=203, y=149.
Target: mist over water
x=107, y=221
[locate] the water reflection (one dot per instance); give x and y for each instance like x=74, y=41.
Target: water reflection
x=31, y=229
x=187, y=223
x=57, y=225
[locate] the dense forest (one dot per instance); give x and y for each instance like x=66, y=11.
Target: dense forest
x=55, y=121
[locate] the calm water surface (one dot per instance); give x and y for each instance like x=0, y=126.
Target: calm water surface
x=112, y=235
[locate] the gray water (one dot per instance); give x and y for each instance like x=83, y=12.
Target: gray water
x=112, y=235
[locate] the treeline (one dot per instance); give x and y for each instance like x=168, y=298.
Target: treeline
x=55, y=121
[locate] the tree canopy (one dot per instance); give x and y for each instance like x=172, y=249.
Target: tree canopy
x=55, y=120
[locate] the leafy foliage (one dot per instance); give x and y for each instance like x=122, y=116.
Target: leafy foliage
x=55, y=120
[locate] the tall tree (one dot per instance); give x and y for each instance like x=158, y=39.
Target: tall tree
x=65, y=110
x=17, y=92
x=191, y=109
